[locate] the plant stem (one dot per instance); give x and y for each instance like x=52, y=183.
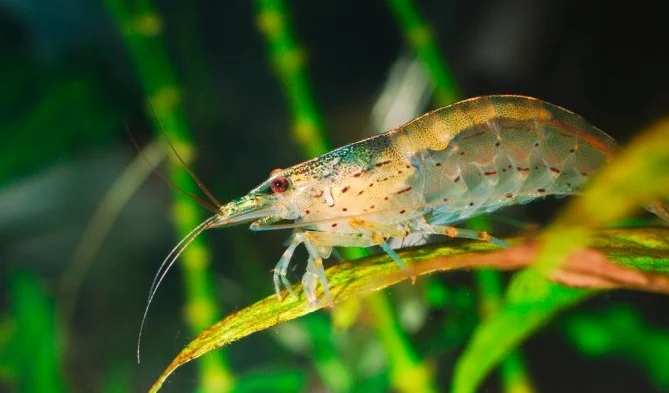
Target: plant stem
x=407, y=373
x=419, y=35
x=308, y=131
x=513, y=372
x=141, y=30
x=288, y=60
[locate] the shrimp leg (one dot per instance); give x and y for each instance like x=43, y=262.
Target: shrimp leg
x=378, y=233
x=454, y=232
x=318, y=245
x=282, y=266
x=370, y=234
x=315, y=272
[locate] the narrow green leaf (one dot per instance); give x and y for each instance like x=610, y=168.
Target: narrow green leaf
x=532, y=301
x=7, y=363
x=271, y=381
x=35, y=344
x=358, y=278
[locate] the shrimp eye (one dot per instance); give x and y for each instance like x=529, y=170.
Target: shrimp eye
x=280, y=184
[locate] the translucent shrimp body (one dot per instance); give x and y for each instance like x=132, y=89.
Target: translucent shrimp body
x=465, y=159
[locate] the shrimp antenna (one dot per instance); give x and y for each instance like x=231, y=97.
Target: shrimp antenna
x=193, y=176
x=206, y=205
x=165, y=267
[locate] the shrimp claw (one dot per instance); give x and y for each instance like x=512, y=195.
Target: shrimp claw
x=282, y=267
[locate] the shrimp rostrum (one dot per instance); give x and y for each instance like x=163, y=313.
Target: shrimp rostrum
x=466, y=159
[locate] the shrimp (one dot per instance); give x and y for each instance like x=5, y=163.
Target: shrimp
x=469, y=158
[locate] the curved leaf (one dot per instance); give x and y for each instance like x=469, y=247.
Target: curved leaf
x=535, y=301
x=350, y=279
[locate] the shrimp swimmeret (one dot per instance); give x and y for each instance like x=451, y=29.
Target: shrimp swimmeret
x=469, y=158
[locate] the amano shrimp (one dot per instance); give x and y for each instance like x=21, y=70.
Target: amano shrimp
x=469, y=158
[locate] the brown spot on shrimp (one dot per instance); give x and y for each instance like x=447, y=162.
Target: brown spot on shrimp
x=484, y=236
x=382, y=163
x=555, y=170
x=490, y=173
x=343, y=190
x=404, y=190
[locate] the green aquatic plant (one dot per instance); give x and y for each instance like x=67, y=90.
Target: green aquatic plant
x=141, y=30
x=31, y=351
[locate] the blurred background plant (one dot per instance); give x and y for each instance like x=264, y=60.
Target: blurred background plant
x=244, y=87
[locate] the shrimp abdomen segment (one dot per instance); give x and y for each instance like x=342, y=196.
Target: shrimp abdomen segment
x=503, y=150
x=519, y=124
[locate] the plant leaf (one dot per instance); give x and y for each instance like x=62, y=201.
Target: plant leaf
x=622, y=332
x=271, y=380
x=360, y=277
x=533, y=301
